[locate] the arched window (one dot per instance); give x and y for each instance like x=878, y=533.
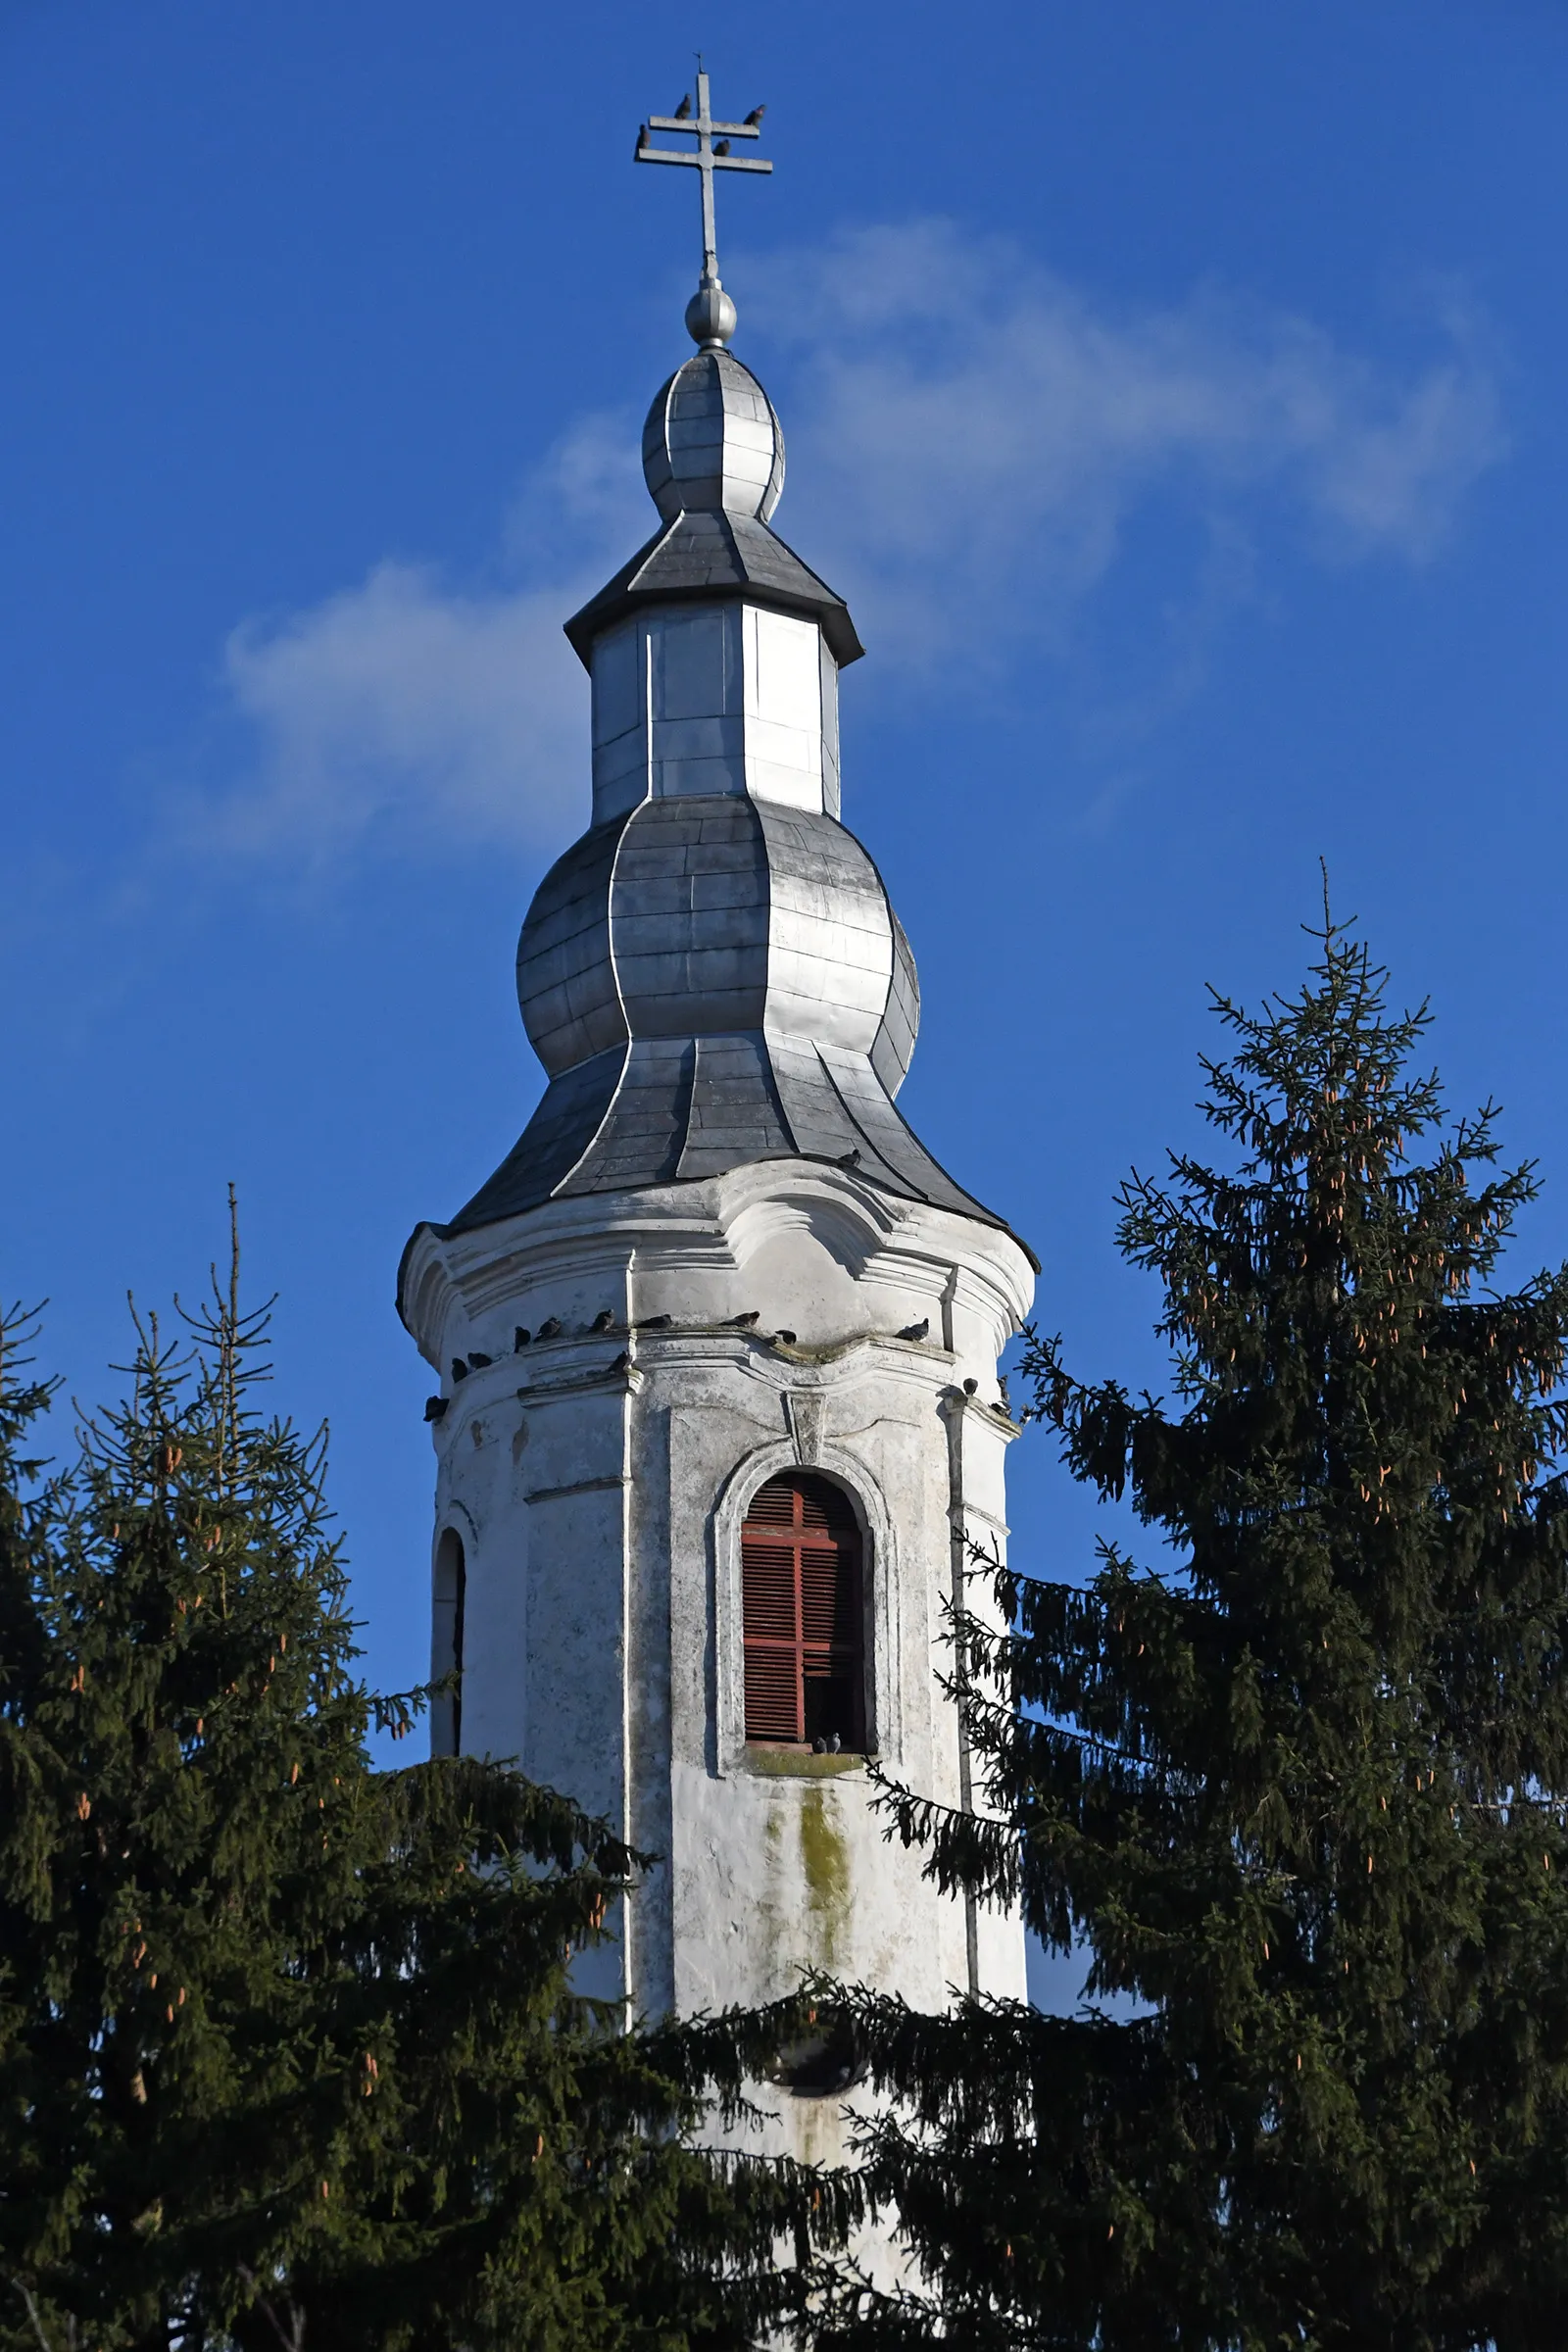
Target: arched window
x=804, y=1603
x=445, y=1644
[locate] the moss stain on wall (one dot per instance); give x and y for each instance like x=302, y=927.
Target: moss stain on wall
x=824, y=1865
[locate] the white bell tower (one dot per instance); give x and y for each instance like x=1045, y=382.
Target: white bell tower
x=718, y=1340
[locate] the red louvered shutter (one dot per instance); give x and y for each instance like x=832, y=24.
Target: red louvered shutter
x=772, y=1637
x=803, y=1607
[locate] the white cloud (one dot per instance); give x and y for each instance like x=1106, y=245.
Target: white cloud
x=970, y=438
x=975, y=436
x=407, y=711
x=591, y=486
x=399, y=705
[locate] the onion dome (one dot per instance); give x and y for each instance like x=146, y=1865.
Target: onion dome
x=713, y=442
x=782, y=923
x=712, y=981
x=714, y=462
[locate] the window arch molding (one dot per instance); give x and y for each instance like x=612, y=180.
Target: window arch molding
x=883, y=1696
x=449, y=1509
x=449, y=1591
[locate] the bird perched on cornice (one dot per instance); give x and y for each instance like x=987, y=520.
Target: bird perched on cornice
x=916, y=1331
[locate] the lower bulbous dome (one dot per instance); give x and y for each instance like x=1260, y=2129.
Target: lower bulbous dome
x=715, y=981
x=701, y=917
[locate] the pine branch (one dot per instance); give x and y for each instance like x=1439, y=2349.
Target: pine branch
x=1304, y=1793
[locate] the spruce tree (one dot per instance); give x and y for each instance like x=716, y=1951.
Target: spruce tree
x=1295, y=1776
x=289, y=2053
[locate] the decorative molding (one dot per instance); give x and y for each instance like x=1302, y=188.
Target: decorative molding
x=527, y=1264
x=959, y=1515
x=611, y=1379
x=805, y=1411
x=578, y=1486
x=449, y=1506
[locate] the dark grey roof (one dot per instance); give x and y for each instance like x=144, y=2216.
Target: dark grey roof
x=714, y=556
x=667, y=1111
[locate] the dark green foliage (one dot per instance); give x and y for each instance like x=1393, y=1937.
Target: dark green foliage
x=288, y=2053
x=1297, y=1780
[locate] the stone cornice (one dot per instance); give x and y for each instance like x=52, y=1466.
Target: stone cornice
x=712, y=1228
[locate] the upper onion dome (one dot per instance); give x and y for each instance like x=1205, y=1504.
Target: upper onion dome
x=713, y=442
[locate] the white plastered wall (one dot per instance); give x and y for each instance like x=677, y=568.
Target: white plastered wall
x=598, y=1478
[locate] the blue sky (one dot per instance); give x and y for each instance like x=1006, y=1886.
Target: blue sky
x=1179, y=396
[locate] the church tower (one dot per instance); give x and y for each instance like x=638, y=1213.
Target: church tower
x=718, y=1339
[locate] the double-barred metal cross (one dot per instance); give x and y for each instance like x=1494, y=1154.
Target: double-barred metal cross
x=709, y=158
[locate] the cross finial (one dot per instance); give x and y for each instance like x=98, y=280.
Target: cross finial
x=711, y=313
